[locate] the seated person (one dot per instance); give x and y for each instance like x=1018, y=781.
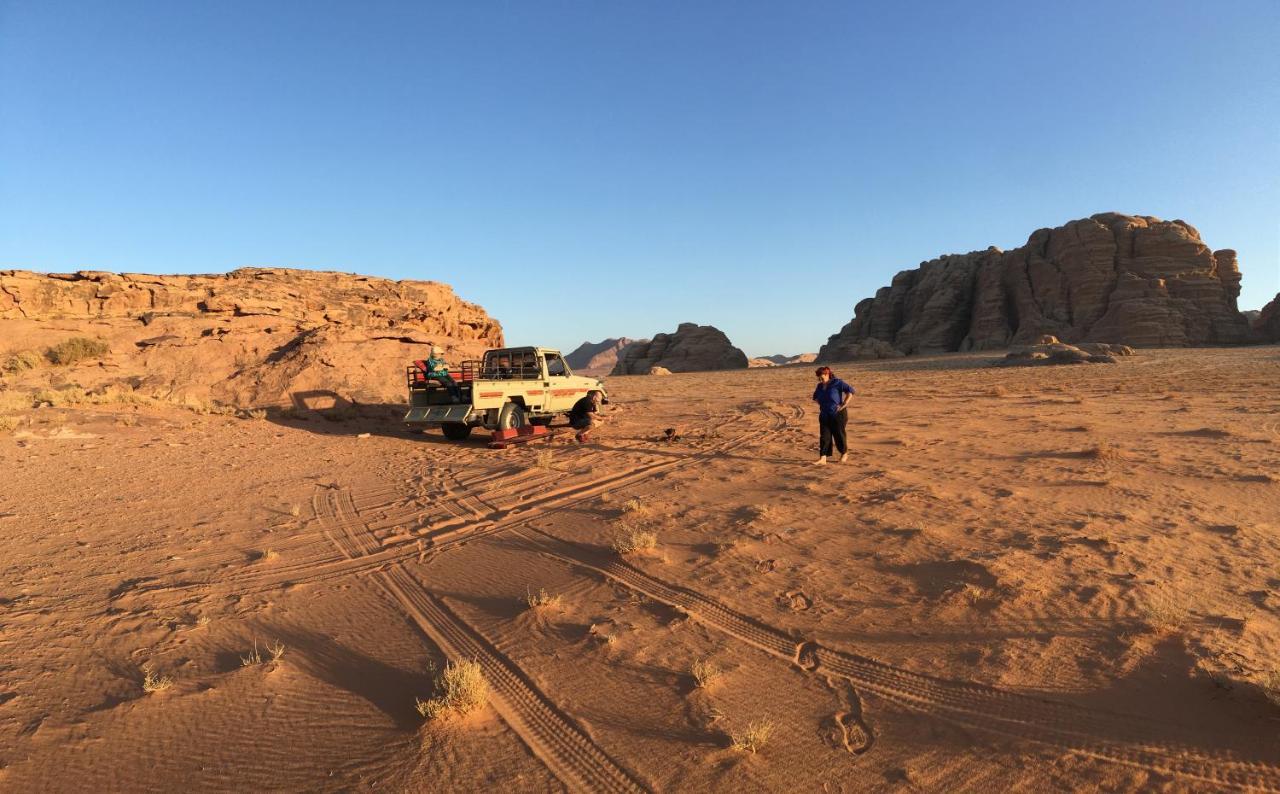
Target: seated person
x=438, y=370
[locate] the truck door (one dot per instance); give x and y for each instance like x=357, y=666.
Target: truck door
x=561, y=396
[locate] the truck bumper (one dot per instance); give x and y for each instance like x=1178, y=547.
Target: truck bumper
x=437, y=414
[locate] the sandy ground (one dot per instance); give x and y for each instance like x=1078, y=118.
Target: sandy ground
x=1051, y=578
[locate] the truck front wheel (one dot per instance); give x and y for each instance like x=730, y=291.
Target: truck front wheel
x=512, y=417
x=456, y=431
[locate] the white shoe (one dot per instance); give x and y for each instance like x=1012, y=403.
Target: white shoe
x=844, y=456
x=821, y=461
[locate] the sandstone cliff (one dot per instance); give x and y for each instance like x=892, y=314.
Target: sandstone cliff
x=1109, y=278
x=1267, y=324
x=692, y=348
x=598, y=358
x=251, y=337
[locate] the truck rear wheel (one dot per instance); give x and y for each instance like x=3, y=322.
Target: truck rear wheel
x=456, y=431
x=512, y=417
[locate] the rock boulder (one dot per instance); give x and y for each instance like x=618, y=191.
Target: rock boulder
x=692, y=348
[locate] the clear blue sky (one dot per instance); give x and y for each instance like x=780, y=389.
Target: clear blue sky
x=596, y=169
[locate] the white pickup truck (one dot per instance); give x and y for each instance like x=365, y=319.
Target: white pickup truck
x=509, y=388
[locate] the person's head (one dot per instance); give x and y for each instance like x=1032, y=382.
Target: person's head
x=595, y=396
x=824, y=374
x=436, y=352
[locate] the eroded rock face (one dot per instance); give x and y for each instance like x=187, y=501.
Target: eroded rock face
x=1109, y=278
x=598, y=358
x=1267, y=324
x=252, y=337
x=692, y=348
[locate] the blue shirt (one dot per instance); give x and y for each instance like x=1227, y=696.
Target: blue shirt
x=830, y=394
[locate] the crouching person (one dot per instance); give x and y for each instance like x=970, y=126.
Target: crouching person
x=585, y=416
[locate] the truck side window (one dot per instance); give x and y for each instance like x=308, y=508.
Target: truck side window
x=555, y=366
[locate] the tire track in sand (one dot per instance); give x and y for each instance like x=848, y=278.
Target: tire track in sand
x=551, y=735
x=1117, y=738
x=360, y=557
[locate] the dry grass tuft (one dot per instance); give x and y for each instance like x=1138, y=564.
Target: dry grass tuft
x=257, y=414
x=21, y=361
x=154, y=682
x=462, y=690
x=1165, y=611
x=545, y=459
x=753, y=737
x=633, y=540
x=998, y=391
x=77, y=348
x=542, y=599
x=267, y=555
x=8, y=423
x=705, y=672
x=1270, y=685
x=635, y=507
x=276, y=649
x=1105, y=452
x=253, y=657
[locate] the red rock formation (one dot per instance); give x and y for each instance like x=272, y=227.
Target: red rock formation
x=250, y=337
x=1267, y=324
x=1108, y=278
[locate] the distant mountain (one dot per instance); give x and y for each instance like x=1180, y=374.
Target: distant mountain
x=783, y=360
x=598, y=358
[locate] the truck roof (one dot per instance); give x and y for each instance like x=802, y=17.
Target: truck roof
x=540, y=350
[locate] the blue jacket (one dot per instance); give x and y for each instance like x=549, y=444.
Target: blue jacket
x=829, y=395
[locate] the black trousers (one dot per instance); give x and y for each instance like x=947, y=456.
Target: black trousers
x=832, y=431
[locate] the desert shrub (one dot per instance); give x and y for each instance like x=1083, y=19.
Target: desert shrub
x=705, y=672
x=753, y=737
x=1105, y=452
x=633, y=540
x=77, y=348
x=21, y=361
x=541, y=599
x=54, y=397
x=462, y=690
x=1271, y=686
x=8, y=423
x=635, y=507
x=153, y=681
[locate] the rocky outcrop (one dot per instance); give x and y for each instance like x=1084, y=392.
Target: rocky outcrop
x=1048, y=351
x=1109, y=278
x=598, y=358
x=1267, y=324
x=692, y=348
x=247, y=338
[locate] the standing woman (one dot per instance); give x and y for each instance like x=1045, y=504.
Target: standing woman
x=832, y=396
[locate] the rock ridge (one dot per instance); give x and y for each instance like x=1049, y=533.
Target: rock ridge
x=1126, y=279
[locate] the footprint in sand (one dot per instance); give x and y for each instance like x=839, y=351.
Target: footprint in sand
x=846, y=731
x=795, y=600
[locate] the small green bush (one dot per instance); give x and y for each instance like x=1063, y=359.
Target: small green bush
x=77, y=348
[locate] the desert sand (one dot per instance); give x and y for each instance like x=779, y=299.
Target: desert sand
x=1024, y=579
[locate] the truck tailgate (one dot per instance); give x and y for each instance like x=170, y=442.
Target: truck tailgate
x=437, y=414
